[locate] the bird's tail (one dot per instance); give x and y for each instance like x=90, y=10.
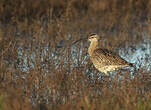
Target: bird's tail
x=131, y=64
x=135, y=69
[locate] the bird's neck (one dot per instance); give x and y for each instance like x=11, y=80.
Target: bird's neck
x=93, y=46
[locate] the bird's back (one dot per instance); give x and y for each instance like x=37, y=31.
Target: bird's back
x=105, y=57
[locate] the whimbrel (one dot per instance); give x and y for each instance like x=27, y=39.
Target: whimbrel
x=105, y=60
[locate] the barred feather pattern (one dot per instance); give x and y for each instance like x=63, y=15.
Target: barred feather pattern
x=105, y=60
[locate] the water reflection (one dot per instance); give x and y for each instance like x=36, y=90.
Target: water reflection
x=140, y=56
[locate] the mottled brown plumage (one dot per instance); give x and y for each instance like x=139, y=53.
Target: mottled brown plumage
x=105, y=60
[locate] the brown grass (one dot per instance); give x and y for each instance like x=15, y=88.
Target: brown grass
x=32, y=78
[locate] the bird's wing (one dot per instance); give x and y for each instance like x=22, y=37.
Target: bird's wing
x=110, y=57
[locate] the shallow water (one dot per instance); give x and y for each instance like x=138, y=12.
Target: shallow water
x=140, y=57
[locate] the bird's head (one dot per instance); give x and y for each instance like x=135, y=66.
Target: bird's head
x=93, y=38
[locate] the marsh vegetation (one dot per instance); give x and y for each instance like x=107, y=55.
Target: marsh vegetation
x=41, y=70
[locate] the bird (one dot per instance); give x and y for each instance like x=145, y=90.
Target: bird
x=103, y=59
